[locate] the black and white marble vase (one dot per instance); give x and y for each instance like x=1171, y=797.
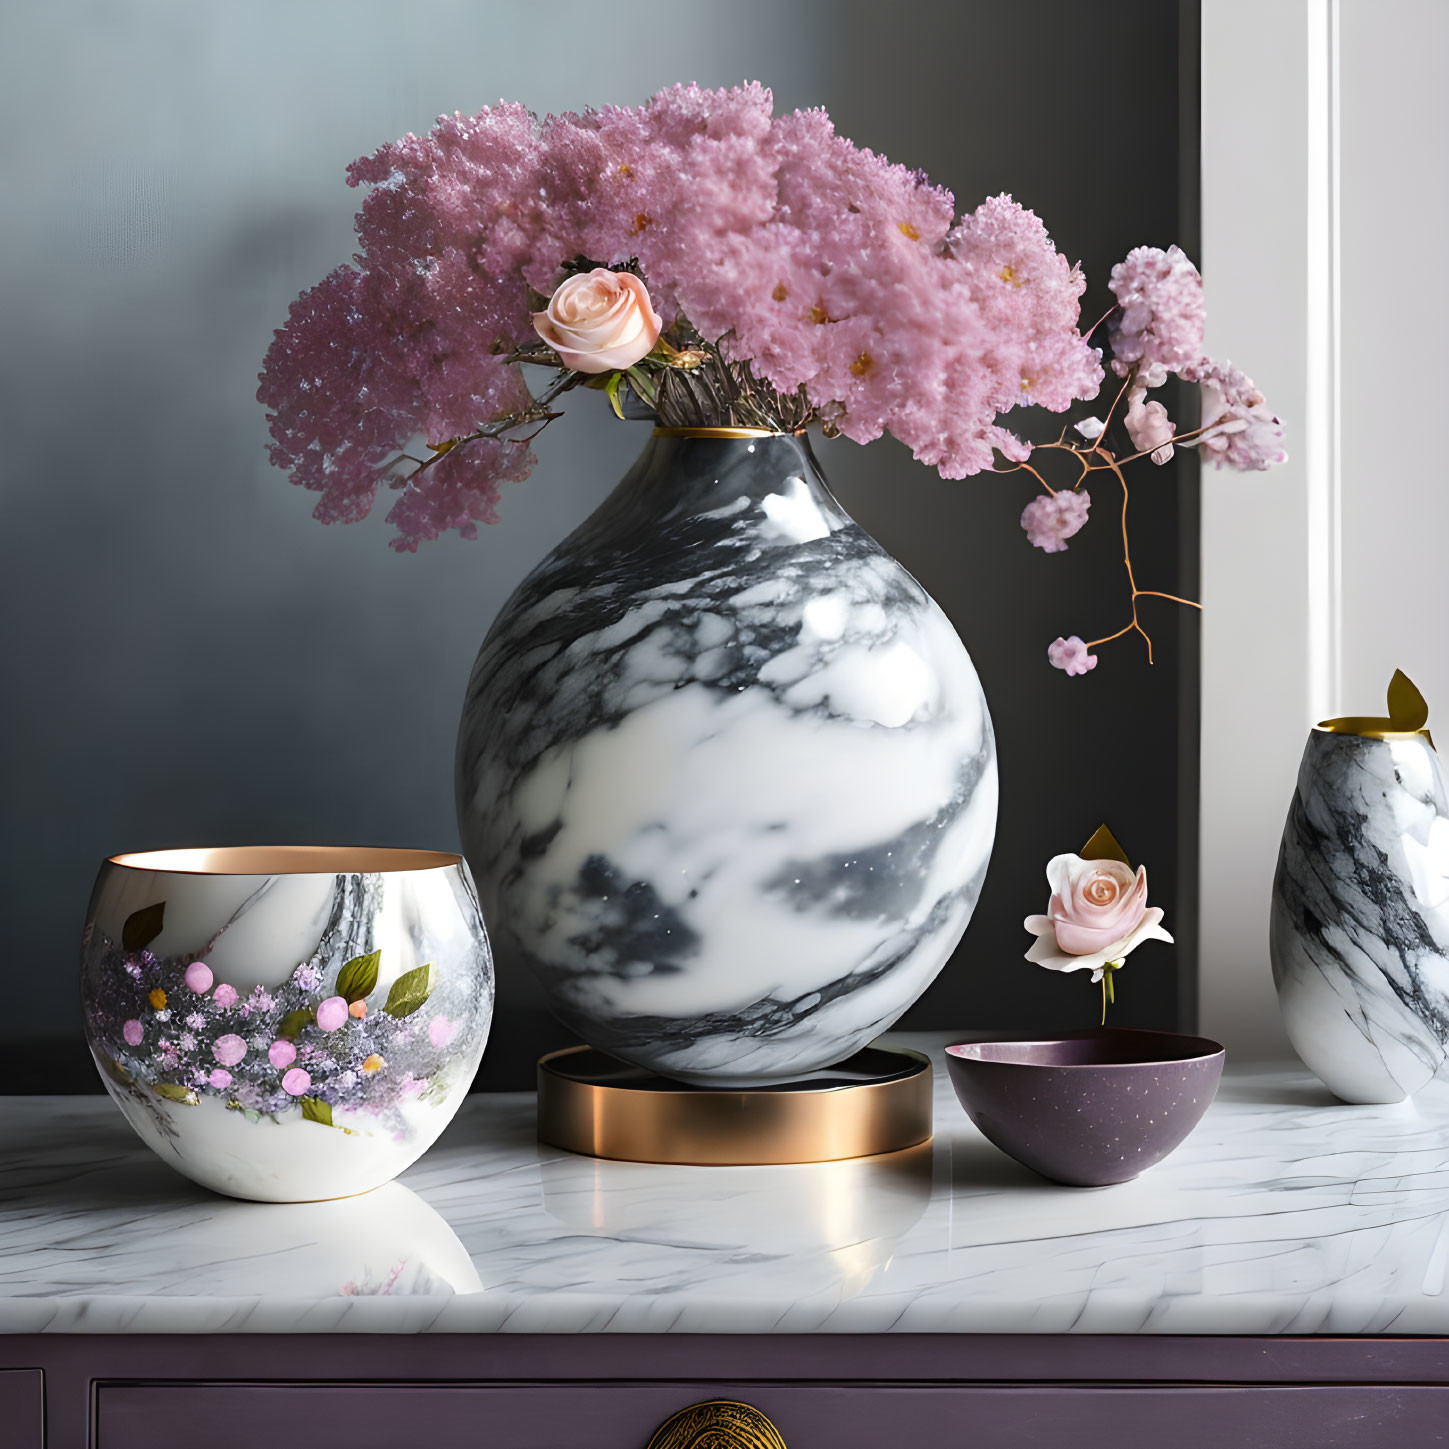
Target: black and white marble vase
x=726, y=775
x=1360, y=919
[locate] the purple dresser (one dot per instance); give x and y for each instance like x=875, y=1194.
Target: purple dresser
x=1279, y=1282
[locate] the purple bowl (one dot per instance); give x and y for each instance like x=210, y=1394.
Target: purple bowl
x=1089, y=1108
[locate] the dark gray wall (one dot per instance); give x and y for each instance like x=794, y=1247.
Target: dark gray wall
x=190, y=659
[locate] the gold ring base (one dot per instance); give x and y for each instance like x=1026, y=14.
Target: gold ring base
x=590, y=1103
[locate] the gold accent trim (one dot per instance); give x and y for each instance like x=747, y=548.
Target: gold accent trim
x=285, y=860
x=1408, y=716
x=719, y=433
x=718, y=1424
x=657, y=1121
x=1369, y=728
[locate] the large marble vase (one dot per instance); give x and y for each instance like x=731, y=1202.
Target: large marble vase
x=1359, y=932
x=726, y=775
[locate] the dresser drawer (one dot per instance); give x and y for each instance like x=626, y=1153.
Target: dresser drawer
x=22, y=1408
x=808, y=1416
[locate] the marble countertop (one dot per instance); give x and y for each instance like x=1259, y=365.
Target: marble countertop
x=1284, y=1213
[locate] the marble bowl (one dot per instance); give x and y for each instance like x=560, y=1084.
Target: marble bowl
x=287, y=1023
x=1090, y=1108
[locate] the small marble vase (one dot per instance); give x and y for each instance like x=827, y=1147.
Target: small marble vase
x=726, y=775
x=1359, y=935
x=287, y=1023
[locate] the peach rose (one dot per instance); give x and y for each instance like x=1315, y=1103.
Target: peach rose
x=600, y=321
x=1098, y=913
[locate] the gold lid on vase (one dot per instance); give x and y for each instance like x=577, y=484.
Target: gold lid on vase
x=1407, y=719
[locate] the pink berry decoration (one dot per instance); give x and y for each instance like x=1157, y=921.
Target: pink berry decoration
x=441, y=1031
x=133, y=1032
x=199, y=977
x=220, y=1078
x=282, y=1054
x=296, y=1082
x=332, y=1013
x=229, y=1049
x=225, y=995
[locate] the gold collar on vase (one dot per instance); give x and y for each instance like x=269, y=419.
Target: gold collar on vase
x=720, y=433
x=1407, y=719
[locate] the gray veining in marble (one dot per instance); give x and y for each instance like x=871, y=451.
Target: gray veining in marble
x=726, y=775
x=1284, y=1213
x=1359, y=936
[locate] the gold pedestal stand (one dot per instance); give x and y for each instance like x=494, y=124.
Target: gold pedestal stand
x=877, y=1101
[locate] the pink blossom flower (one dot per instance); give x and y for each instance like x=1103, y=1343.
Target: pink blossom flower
x=307, y=976
x=296, y=1082
x=1238, y=429
x=1070, y=654
x=820, y=263
x=410, y=1087
x=282, y=1054
x=229, y=1049
x=260, y=1000
x=1159, y=327
x=133, y=970
x=195, y=1020
x=1148, y=426
x=224, y=995
x=441, y=1031
x=332, y=1013
x=220, y=1078
x=1098, y=913
x=1053, y=518
x=199, y=977
x=600, y=321
x=132, y=1032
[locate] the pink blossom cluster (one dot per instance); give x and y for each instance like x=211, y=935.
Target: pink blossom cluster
x=1051, y=519
x=822, y=265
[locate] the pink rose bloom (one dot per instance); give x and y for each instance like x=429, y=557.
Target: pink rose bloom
x=1097, y=914
x=332, y=1013
x=224, y=995
x=199, y=977
x=1149, y=427
x=441, y=1031
x=229, y=1050
x=132, y=1032
x=600, y=321
x=282, y=1054
x=296, y=1082
x=220, y=1078
x=1070, y=655
x=1053, y=518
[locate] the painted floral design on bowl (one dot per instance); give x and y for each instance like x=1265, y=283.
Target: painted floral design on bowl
x=351, y=1002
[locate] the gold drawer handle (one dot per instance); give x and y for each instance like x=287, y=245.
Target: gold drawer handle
x=719, y=1424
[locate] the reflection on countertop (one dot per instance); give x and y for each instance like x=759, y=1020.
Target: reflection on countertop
x=1285, y=1212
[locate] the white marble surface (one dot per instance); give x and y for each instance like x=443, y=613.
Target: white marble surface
x=1286, y=1213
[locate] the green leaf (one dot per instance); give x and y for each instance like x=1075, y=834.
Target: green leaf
x=1407, y=707
x=1103, y=846
x=358, y=977
x=115, y=1071
x=295, y=1022
x=175, y=1092
x=314, y=1109
x=409, y=991
x=143, y=926
x=611, y=389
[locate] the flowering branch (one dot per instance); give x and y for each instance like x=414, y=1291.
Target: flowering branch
x=1157, y=332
